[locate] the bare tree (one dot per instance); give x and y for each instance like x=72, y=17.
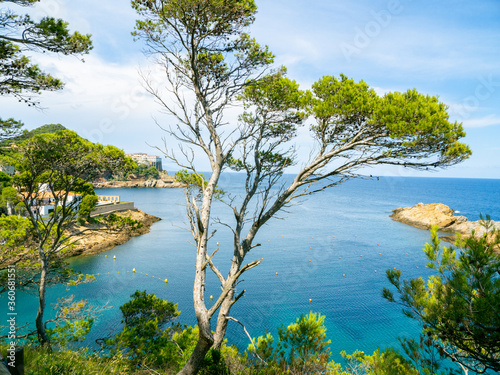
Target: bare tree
x=210, y=63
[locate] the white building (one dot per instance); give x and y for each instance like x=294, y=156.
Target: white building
x=43, y=203
x=143, y=158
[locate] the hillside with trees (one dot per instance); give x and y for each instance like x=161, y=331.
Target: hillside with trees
x=44, y=129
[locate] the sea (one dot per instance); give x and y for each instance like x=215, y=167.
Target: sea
x=327, y=254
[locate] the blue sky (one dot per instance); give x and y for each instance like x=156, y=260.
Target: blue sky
x=446, y=48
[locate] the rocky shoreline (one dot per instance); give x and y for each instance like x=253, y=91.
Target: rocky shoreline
x=424, y=215
x=97, y=237
x=100, y=239
x=162, y=183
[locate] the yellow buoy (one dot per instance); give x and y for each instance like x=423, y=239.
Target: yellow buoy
x=166, y=281
x=133, y=270
x=114, y=257
x=217, y=244
x=310, y=300
x=211, y=298
x=105, y=256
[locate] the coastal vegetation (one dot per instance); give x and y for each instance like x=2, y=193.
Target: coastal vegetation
x=57, y=166
x=205, y=50
x=459, y=307
x=27, y=134
x=142, y=171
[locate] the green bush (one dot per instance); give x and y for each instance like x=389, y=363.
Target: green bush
x=89, y=202
x=145, y=338
x=143, y=171
x=114, y=221
x=301, y=347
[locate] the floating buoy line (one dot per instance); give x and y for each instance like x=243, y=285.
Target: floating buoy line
x=133, y=271
x=211, y=297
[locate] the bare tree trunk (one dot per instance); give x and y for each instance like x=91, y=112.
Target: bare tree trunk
x=40, y=327
x=10, y=208
x=222, y=320
x=195, y=362
x=203, y=316
x=205, y=337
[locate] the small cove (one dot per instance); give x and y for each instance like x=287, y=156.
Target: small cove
x=343, y=231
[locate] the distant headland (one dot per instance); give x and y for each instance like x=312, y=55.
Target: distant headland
x=164, y=182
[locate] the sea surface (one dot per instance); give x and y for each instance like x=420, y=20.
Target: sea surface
x=327, y=254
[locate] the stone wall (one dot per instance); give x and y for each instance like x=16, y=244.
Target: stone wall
x=108, y=208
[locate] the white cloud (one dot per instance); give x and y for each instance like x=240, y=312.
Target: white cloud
x=481, y=122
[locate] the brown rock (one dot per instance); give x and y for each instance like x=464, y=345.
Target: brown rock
x=425, y=215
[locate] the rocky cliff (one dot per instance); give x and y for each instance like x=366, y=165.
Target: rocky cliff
x=424, y=215
x=163, y=183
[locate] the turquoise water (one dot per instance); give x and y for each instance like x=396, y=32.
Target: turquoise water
x=343, y=231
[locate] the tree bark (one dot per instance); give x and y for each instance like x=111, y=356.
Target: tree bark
x=40, y=327
x=222, y=320
x=195, y=362
x=10, y=209
x=205, y=338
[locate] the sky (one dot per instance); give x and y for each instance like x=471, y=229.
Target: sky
x=446, y=48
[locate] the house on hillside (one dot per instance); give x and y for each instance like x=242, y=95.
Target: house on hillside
x=44, y=202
